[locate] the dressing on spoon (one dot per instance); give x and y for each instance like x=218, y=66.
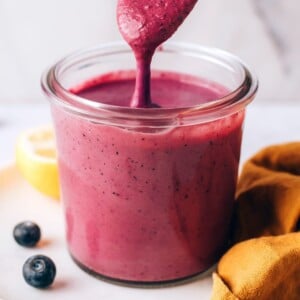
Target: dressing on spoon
x=145, y=25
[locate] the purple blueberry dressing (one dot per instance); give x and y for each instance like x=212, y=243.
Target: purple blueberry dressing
x=148, y=205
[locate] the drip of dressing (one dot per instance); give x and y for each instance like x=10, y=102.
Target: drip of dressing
x=145, y=25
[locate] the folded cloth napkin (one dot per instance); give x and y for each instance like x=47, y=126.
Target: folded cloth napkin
x=264, y=264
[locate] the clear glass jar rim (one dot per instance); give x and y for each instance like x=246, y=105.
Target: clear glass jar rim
x=230, y=103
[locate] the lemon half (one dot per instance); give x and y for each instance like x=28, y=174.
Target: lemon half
x=36, y=160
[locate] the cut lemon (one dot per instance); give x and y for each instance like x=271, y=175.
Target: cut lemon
x=36, y=160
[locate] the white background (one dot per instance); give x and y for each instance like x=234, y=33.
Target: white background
x=34, y=33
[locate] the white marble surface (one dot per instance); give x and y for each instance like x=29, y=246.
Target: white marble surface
x=264, y=33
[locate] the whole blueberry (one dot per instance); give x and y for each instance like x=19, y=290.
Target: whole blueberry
x=39, y=271
x=27, y=234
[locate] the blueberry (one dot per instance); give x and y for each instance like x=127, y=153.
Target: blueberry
x=27, y=234
x=39, y=271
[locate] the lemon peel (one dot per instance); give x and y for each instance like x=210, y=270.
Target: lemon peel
x=36, y=160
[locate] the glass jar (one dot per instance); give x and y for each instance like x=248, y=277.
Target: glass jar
x=148, y=193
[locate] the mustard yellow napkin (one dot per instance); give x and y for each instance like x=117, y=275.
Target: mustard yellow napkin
x=265, y=262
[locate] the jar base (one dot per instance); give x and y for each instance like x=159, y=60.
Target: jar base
x=145, y=284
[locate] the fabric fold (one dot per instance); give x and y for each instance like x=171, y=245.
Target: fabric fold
x=264, y=263
x=260, y=269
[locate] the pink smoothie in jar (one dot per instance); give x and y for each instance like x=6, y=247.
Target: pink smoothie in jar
x=148, y=193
